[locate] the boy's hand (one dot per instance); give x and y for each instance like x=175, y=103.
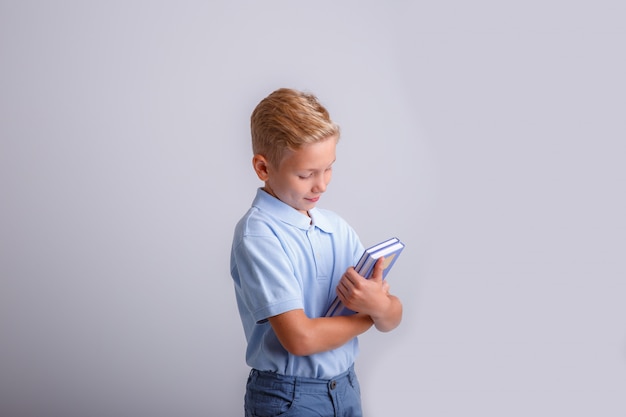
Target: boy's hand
x=369, y=296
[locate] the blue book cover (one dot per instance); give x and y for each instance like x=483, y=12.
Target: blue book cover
x=389, y=249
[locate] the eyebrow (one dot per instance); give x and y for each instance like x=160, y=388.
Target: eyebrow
x=315, y=169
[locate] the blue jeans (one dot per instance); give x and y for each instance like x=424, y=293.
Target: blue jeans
x=269, y=394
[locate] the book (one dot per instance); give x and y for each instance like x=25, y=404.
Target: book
x=390, y=249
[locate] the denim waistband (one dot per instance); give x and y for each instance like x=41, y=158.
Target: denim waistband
x=304, y=384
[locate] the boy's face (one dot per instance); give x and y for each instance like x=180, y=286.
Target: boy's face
x=302, y=175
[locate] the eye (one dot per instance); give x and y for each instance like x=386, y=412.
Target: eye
x=304, y=177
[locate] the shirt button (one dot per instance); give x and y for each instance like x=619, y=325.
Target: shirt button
x=333, y=384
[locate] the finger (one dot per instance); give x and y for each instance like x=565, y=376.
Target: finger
x=344, y=286
x=377, y=274
x=351, y=276
x=341, y=295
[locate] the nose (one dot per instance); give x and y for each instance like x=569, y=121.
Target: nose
x=320, y=185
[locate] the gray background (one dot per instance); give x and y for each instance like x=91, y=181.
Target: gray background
x=489, y=136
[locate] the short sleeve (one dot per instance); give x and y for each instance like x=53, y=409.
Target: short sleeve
x=266, y=277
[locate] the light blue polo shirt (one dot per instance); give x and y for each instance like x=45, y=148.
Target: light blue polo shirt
x=282, y=260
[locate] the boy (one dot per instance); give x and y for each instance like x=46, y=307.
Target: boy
x=289, y=259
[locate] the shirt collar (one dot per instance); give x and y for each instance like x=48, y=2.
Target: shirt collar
x=320, y=220
x=289, y=215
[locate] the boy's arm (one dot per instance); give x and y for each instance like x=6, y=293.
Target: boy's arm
x=371, y=296
x=303, y=336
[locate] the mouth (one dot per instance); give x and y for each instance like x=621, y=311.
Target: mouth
x=313, y=200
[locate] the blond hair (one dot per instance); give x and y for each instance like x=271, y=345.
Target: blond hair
x=288, y=119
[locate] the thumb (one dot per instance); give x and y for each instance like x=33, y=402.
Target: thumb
x=377, y=274
x=386, y=287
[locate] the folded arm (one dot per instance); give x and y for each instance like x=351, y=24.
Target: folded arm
x=303, y=336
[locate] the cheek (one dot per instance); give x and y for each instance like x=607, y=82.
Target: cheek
x=296, y=187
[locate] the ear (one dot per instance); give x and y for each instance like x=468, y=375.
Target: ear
x=260, y=165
